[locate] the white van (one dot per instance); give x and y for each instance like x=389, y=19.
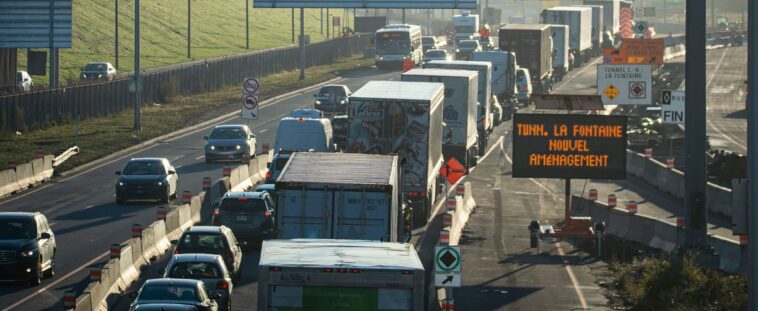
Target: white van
x=524, y=85
x=299, y=134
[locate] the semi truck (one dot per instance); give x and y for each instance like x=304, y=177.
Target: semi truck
x=403, y=118
x=533, y=46
x=312, y=274
x=339, y=196
x=485, y=121
x=579, y=20
x=459, y=137
x=598, y=24
x=561, y=63
x=466, y=27
x=611, y=11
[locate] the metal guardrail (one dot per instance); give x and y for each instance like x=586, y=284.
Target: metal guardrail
x=70, y=152
x=37, y=110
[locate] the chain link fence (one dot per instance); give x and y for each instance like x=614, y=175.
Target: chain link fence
x=38, y=110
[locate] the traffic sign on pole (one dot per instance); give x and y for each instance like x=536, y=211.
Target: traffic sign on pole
x=640, y=28
x=250, y=99
x=251, y=86
x=447, y=266
x=453, y=170
x=672, y=107
x=624, y=84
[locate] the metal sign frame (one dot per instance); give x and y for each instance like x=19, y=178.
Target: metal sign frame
x=35, y=24
x=367, y=4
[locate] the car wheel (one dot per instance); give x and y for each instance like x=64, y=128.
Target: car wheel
x=51, y=271
x=37, y=277
x=166, y=198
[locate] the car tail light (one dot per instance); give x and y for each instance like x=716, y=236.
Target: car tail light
x=222, y=285
x=242, y=199
x=176, y=251
x=268, y=174
x=484, y=122
x=267, y=214
x=275, y=269
x=407, y=272
x=216, y=212
x=355, y=270
x=526, y=88
x=330, y=270
x=341, y=270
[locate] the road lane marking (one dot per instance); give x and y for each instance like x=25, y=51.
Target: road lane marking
x=263, y=131
x=707, y=85
x=56, y=282
x=537, y=182
x=200, y=157
x=564, y=83
x=571, y=276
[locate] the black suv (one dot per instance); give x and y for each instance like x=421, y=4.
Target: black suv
x=249, y=214
x=27, y=247
x=217, y=240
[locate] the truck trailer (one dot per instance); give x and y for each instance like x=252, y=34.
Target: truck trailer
x=339, y=275
x=611, y=11
x=533, y=46
x=403, y=118
x=459, y=134
x=579, y=20
x=485, y=122
x=503, y=72
x=561, y=60
x=598, y=24
x=339, y=196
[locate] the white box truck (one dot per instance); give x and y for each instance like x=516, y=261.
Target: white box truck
x=598, y=24
x=459, y=135
x=503, y=72
x=611, y=11
x=485, y=122
x=311, y=274
x=561, y=63
x=339, y=196
x=579, y=20
x=403, y=118
x=466, y=27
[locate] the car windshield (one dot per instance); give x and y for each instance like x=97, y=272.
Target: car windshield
x=15, y=229
x=436, y=54
x=203, y=241
x=339, y=125
x=331, y=91
x=95, y=67
x=228, y=133
x=194, y=270
x=144, y=168
x=468, y=44
x=427, y=40
x=246, y=205
x=168, y=292
x=520, y=75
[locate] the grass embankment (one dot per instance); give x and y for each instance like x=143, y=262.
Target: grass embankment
x=218, y=28
x=100, y=137
x=665, y=284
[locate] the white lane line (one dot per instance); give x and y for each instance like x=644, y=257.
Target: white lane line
x=539, y=184
x=88, y=206
x=571, y=275
x=56, y=282
x=566, y=82
x=263, y=131
x=707, y=85
x=200, y=157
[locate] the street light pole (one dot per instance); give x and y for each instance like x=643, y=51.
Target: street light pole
x=247, y=24
x=752, y=149
x=189, y=28
x=116, y=32
x=302, y=44
x=292, y=15
x=137, y=72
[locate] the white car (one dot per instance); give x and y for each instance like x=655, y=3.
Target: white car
x=524, y=85
x=24, y=81
x=435, y=55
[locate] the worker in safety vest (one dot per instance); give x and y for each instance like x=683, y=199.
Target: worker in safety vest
x=484, y=32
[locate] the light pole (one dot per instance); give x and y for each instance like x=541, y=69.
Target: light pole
x=189, y=28
x=247, y=25
x=116, y=31
x=302, y=44
x=137, y=72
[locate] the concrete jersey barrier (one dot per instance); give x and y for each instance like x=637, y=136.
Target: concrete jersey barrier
x=8, y=184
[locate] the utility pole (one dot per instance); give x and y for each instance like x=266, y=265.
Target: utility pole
x=116, y=32
x=328, y=21
x=403, y=16
x=695, y=181
x=53, y=74
x=189, y=28
x=713, y=13
x=137, y=72
x=292, y=14
x=752, y=149
x=322, y=20
x=247, y=25
x=302, y=44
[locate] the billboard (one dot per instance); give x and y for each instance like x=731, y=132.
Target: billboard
x=367, y=4
x=27, y=24
x=569, y=146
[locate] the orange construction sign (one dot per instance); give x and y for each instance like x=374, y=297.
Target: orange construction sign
x=643, y=51
x=453, y=170
x=614, y=56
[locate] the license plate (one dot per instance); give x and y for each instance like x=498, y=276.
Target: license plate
x=241, y=218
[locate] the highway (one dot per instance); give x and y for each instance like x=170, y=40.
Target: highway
x=86, y=220
x=726, y=70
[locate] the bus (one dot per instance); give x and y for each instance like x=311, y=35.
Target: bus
x=396, y=43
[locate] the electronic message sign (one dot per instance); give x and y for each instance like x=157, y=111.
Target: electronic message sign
x=569, y=146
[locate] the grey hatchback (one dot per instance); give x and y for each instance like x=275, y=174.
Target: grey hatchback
x=208, y=268
x=229, y=142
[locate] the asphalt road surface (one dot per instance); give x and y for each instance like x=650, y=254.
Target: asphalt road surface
x=86, y=220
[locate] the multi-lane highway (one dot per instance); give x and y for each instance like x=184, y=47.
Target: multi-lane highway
x=82, y=208
x=726, y=70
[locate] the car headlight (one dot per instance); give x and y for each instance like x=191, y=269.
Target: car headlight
x=457, y=50
x=342, y=102
x=100, y=75
x=160, y=183
x=318, y=102
x=121, y=184
x=238, y=147
x=27, y=253
x=212, y=147
x=84, y=75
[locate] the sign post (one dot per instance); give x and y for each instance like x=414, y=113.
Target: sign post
x=625, y=84
x=250, y=99
x=447, y=266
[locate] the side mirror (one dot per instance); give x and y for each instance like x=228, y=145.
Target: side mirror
x=118, y=172
x=45, y=235
x=174, y=242
x=171, y=172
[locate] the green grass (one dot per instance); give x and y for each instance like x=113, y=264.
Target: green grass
x=100, y=137
x=218, y=28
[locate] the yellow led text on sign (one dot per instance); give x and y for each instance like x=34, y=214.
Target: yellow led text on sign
x=570, y=144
